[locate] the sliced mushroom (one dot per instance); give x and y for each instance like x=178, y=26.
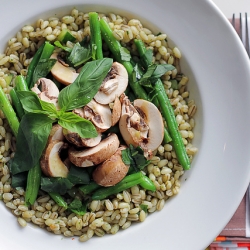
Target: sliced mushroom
x=56, y=133
x=111, y=171
x=62, y=73
x=116, y=111
x=51, y=163
x=141, y=124
x=96, y=155
x=113, y=85
x=77, y=140
x=47, y=92
x=98, y=114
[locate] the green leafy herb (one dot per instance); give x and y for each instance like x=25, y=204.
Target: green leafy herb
x=77, y=124
x=77, y=207
x=135, y=158
x=65, y=48
x=144, y=207
x=78, y=175
x=79, y=55
x=43, y=68
x=19, y=180
x=86, y=85
x=125, y=54
x=32, y=137
x=56, y=185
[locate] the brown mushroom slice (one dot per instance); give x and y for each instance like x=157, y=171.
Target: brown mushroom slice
x=95, y=155
x=99, y=115
x=47, y=92
x=77, y=140
x=116, y=111
x=56, y=133
x=51, y=163
x=62, y=73
x=113, y=85
x=111, y=171
x=142, y=125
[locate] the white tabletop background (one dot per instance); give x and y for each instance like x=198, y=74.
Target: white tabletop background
x=228, y=7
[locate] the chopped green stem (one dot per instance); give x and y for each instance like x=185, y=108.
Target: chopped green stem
x=47, y=51
x=95, y=32
x=17, y=104
x=9, y=112
x=59, y=200
x=168, y=114
x=127, y=182
x=167, y=138
x=115, y=48
x=33, y=184
x=89, y=188
x=147, y=184
x=21, y=83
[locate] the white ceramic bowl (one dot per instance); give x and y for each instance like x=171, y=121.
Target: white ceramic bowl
x=219, y=72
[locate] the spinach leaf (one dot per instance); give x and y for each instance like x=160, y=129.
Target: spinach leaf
x=32, y=137
x=31, y=103
x=19, y=180
x=160, y=70
x=147, y=58
x=77, y=124
x=86, y=85
x=79, y=55
x=135, y=158
x=55, y=185
x=43, y=68
x=77, y=207
x=78, y=175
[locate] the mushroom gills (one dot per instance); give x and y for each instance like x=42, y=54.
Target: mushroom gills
x=114, y=84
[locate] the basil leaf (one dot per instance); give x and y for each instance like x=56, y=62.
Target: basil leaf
x=160, y=70
x=31, y=103
x=56, y=185
x=79, y=55
x=32, y=137
x=43, y=68
x=77, y=124
x=86, y=85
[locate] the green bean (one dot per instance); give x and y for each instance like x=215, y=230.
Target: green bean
x=33, y=64
x=89, y=188
x=59, y=200
x=33, y=184
x=127, y=182
x=115, y=48
x=168, y=114
x=21, y=83
x=17, y=104
x=95, y=32
x=9, y=112
x=147, y=184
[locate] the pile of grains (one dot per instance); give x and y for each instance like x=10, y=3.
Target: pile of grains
x=119, y=211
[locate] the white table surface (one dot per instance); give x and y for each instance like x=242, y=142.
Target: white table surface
x=228, y=7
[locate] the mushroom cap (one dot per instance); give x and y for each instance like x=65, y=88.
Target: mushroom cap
x=113, y=85
x=95, y=155
x=111, y=171
x=98, y=114
x=63, y=74
x=136, y=135
x=75, y=139
x=51, y=163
